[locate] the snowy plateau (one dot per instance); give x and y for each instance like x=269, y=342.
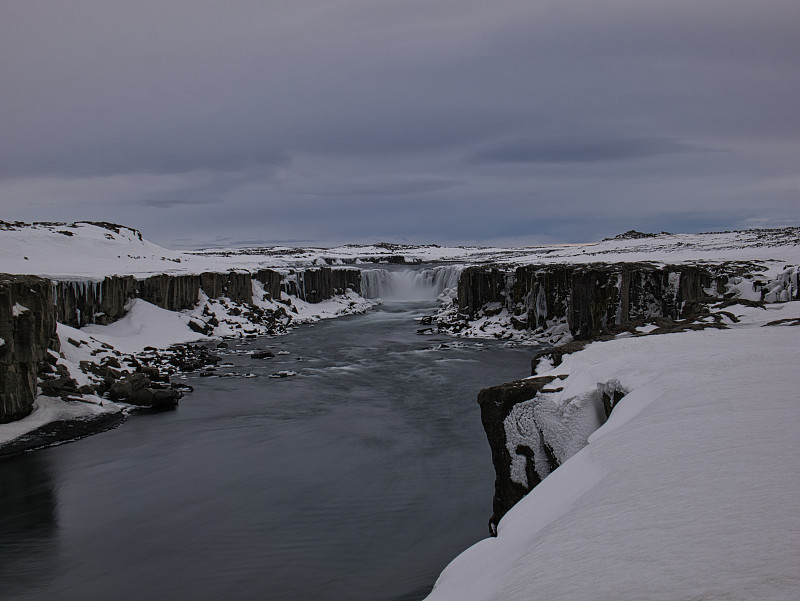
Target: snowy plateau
x=687, y=491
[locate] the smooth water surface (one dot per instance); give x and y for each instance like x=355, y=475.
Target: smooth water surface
x=358, y=479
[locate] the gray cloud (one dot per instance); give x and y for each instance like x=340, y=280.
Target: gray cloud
x=534, y=150
x=284, y=119
x=168, y=203
x=387, y=187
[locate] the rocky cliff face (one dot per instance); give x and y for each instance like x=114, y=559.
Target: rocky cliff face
x=31, y=306
x=316, y=285
x=589, y=300
x=80, y=303
x=529, y=433
x=27, y=330
x=496, y=403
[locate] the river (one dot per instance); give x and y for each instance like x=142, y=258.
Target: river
x=359, y=478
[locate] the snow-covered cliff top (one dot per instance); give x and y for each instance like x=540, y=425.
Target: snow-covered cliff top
x=94, y=250
x=688, y=492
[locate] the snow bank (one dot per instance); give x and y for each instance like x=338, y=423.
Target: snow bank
x=145, y=325
x=689, y=491
x=47, y=410
x=90, y=250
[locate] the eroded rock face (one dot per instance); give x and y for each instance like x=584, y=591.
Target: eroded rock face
x=317, y=284
x=271, y=281
x=83, y=302
x=533, y=429
x=171, y=292
x=496, y=403
x=27, y=330
x=592, y=299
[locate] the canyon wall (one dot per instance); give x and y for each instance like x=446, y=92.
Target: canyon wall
x=27, y=331
x=529, y=433
x=31, y=306
x=316, y=285
x=590, y=300
x=83, y=302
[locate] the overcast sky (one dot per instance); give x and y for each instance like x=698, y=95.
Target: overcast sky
x=317, y=122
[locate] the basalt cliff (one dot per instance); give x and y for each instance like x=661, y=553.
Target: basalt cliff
x=569, y=306
x=31, y=307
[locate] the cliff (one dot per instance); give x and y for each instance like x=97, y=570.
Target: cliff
x=586, y=301
x=27, y=330
x=83, y=302
x=529, y=433
x=687, y=491
x=30, y=308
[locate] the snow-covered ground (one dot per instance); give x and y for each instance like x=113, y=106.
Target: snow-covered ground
x=85, y=250
x=689, y=492
x=47, y=410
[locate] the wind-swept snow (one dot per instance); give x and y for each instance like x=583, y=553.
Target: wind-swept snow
x=145, y=325
x=689, y=492
x=47, y=410
x=89, y=250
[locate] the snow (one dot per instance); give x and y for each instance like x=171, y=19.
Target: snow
x=49, y=409
x=144, y=325
x=18, y=310
x=349, y=303
x=89, y=251
x=688, y=492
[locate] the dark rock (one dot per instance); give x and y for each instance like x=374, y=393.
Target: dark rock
x=58, y=386
x=111, y=362
x=593, y=300
x=27, y=329
x=496, y=403
x=262, y=354
x=314, y=285
x=201, y=327
x=138, y=389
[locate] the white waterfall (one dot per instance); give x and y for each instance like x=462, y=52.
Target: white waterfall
x=410, y=284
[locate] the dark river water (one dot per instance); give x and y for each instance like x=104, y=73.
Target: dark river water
x=358, y=479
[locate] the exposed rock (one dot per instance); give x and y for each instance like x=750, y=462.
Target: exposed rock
x=201, y=327
x=496, y=403
x=138, y=389
x=634, y=235
x=591, y=300
x=27, y=330
x=60, y=386
x=171, y=292
x=262, y=354
x=317, y=284
x=84, y=302
x=271, y=281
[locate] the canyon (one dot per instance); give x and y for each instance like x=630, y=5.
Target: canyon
x=643, y=292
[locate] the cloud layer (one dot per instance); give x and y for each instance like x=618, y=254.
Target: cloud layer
x=442, y=121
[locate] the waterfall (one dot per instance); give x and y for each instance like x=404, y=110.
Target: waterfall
x=409, y=284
